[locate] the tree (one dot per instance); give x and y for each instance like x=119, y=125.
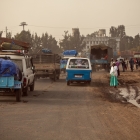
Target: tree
x=9, y=35
x=74, y=42
x=136, y=40
x=113, y=31
x=121, y=31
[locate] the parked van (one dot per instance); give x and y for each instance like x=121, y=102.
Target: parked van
x=78, y=70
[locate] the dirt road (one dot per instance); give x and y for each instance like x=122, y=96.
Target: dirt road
x=55, y=111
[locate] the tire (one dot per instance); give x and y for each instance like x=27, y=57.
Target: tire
x=32, y=86
x=25, y=91
x=18, y=95
x=89, y=82
x=68, y=83
x=58, y=77
x=54, y=77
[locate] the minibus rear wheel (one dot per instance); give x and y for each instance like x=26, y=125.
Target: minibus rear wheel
x=68, y=83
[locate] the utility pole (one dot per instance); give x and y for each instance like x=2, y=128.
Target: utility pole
x=23, y=24
x=6, y=31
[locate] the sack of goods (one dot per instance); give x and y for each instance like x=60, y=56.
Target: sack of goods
x=8, y=68
x=10, y=46
x=46, y=50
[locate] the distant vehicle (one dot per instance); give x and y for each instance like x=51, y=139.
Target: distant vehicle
x=100, y=57
x=137, y=55
x=78, y=70
x=66, y=55
x=47, y=64
x=18, y=55
x=26, y=66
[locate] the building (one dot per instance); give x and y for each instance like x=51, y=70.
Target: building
x=100, y=37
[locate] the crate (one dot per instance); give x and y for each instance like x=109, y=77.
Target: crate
x=6, y=82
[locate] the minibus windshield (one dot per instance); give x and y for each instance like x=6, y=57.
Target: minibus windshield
x=79, y=64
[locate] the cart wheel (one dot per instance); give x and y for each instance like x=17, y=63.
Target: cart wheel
x=18, y=95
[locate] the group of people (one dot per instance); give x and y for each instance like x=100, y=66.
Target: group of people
x=115, y=71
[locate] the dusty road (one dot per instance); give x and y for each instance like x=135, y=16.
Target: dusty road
x=55, y=111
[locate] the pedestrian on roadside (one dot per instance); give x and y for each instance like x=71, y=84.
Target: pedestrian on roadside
x=114, y=74
x=118, y=64
x=127, y=64
x=137, y=63
x=112, y=61
x=123, y=65
x=131, y=62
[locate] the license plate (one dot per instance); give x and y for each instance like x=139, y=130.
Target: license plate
x=78, y=76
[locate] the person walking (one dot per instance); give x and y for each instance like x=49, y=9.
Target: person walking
x=127, y=64
x=118, y=64
x=123, y=65
x=114, y=74
x=137, y=63
x=112, y=61
x=131, y=62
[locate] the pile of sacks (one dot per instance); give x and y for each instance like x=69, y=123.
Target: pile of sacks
x=10, y=46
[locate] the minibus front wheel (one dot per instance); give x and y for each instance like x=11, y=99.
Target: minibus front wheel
x=68, y=83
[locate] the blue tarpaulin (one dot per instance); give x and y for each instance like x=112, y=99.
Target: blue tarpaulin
x=45, y=50
x=8, y=68
x=70, y=52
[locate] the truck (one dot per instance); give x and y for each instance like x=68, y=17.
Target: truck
x=66, y=55
x=17, y=52
x=47, y=64
x=100, y=57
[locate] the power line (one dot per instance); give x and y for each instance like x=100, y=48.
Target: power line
x=128, y=26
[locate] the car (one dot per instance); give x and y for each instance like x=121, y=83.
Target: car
x=25, y=64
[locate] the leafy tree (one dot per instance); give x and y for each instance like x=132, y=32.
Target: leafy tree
x=136, y=40
x=121, y=31
x=113, y=31
x=24, y=36
x=9, y=35
x=74, y=42
x=37, y=43
x=49, y=42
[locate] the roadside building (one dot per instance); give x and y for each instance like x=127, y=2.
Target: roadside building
x=100, y=37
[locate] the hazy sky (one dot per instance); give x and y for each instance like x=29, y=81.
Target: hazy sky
x=57, y=16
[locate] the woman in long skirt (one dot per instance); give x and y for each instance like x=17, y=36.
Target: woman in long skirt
x=113, y=73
